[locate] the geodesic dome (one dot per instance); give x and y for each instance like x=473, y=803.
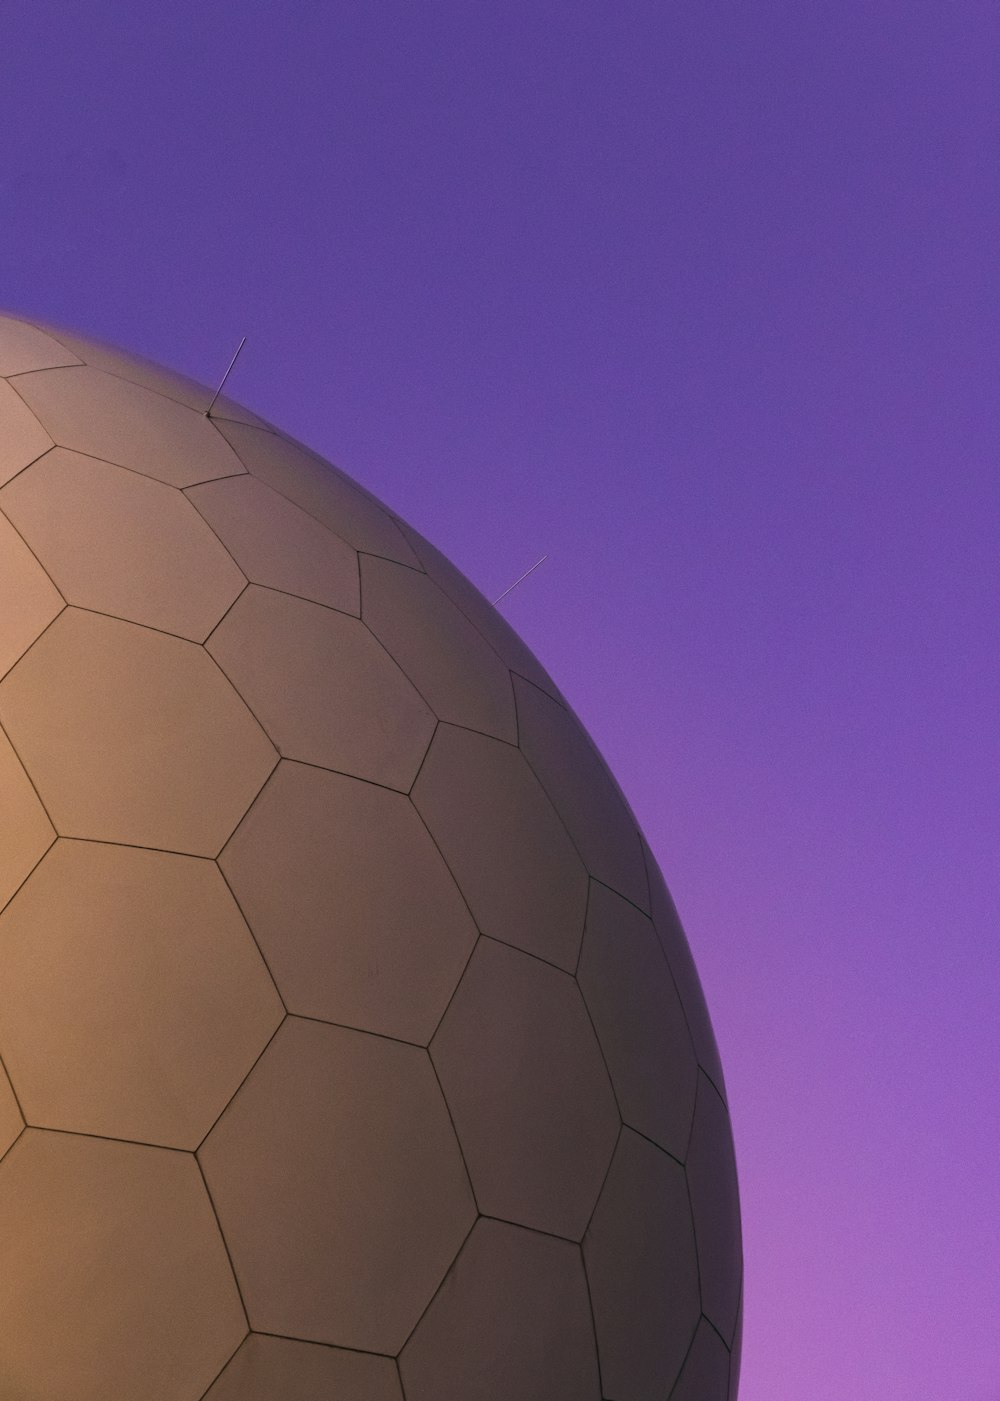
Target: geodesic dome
x=351, y=1046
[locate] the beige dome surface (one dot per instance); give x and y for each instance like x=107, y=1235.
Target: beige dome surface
x=351, y=1047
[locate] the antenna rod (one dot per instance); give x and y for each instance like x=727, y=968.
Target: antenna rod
x=521, y=580
x=208, y=411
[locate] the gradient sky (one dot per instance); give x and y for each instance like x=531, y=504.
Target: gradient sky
x=700, y=298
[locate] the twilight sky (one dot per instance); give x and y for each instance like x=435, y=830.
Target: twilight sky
x=701, y=298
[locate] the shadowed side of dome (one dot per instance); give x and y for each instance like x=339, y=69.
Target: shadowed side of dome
x=349, y=1038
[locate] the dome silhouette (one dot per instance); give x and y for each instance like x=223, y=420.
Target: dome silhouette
x=350, y=1044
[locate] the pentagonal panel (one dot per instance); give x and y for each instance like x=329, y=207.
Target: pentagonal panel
x=25, y=831
x=115, y=1279
x=639, y=1020
x=356, y=913
x=135, y=999
x=323, y=688
x=266, y=1369
x=526, y=1086
x=512, y=1320
x=23, y=438
x=715, y=1202
x=276, y=543
x=675, y=945
x=24, y=347
x=133, y=736
x=585, y=795
x=481, y=613
x=11, y=1122
x=458, y=674
x=138, y=370
x=706, y=1369
x=109, y=418
x=122, y=543
x=640, y=1256
x=30, y=599
x=339, y=1186
x=321, y=490
x=500, y=835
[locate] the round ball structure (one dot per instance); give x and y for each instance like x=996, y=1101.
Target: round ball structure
x=351, y=1046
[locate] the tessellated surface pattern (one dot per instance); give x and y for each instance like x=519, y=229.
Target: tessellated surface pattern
x=350, y=1046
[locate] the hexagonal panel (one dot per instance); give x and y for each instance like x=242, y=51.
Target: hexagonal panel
x=327, y=494
x=458, y=674
x=30, y=599
x=527, y=1088
x=500, y=835
x=133, y=736
x=511, y=1320
x=339, y=1186
x=640, y=1256
x=481, y=613
x=276, y=543
x=706, y=1369
x=11, y=1122
x=350, y=901
x=585, y=795
x=110, y=418
x=138, y=370
x=715, y=1203
x=639, y=1020
x=25, y=831
x=23, y=439
x=115, y=1281
x=675, y=946
x=135, y=998
x=323, y=688
x=24, y=347
x=266, y=1369
x=122, y=543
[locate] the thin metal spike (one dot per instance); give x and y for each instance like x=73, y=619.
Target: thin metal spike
x=521, y=580
x=208, y=411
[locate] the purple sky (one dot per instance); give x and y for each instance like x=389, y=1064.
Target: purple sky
x=702, y=299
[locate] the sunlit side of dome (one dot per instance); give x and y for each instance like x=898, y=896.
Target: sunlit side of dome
x=350, y=1041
